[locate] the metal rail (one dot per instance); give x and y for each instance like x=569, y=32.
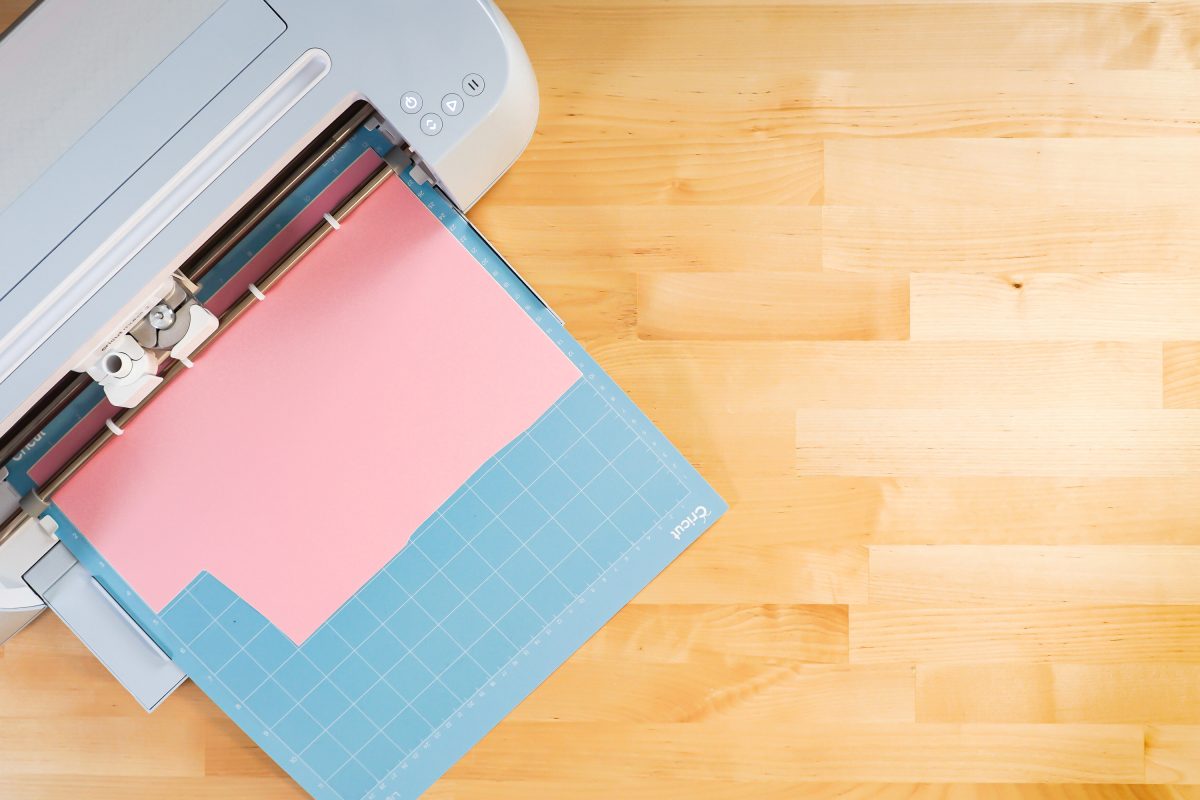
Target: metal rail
x=213, y=254
x=40, y=497
x=35, y=421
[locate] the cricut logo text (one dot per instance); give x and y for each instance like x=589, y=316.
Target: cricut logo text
x=32, y=443
x=699, y=514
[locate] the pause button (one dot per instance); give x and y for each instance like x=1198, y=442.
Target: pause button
x=473, y=84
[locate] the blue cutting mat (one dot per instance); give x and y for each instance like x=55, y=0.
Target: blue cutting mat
x=513, y=573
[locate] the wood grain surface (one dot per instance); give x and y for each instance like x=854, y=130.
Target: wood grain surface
x=916, y=285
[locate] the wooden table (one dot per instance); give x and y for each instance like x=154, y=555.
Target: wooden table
x=917, y=286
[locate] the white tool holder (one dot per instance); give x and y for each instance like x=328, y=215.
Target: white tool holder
x=127, y=371
x=201, y=324
x=175, y=324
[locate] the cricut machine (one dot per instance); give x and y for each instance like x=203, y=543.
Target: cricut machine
x=163, y=166
x=138, y=138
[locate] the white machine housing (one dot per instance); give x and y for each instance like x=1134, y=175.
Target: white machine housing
x=133, y=130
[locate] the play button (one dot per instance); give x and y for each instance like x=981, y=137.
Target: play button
x=452, y=105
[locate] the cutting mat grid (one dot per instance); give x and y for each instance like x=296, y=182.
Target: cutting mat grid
x=504, y=559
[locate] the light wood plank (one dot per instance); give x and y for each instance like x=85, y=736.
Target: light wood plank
x=141, y=747
x=1181, y=374
x=1025, y=510
x=725, y=169
x=544, y=240
x=10, y=10
x=764, y=692
x=606, y=787
x=729, y=569
x=1059, y=693
x=860, y=35
x=209, y=787
x=846, y=510
x=1081, y=634
x=1051, y=443
x=868, y=752
x=1018, y=241
x=972, y=575
x=788, y=511
x=1118, y=307
x=802, y=306
x=889, y=103
x=1173, y=754
x=680, y=633
x=1010, y=172
x=739, y=377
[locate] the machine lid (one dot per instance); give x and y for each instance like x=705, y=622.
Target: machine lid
x=51, y=95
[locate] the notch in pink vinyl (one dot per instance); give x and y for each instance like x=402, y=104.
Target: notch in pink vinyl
x=323, y=427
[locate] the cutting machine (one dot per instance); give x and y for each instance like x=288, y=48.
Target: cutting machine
x=140, y=142
x=163, y=166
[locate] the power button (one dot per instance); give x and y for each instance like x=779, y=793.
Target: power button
x=410, y=102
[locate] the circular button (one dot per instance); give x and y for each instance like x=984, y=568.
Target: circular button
x=452, y=105
x=473, y=84
x=410, y=102
x=431, y=124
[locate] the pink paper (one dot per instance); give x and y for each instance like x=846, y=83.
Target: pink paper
x=315, y=435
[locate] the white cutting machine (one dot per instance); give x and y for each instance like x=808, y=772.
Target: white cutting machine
x=139, y=142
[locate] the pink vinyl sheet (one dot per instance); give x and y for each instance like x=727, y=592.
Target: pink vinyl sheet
x=324, y=426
